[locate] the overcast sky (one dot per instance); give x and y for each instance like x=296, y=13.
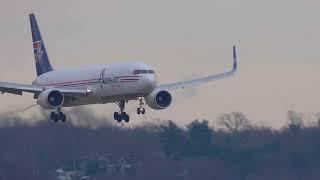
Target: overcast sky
x=278, y=46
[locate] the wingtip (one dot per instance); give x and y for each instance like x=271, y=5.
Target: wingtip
x=31, y=14
x=235, y=65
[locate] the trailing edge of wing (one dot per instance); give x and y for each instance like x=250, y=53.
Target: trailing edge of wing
x=204, y=80
x=18, y=89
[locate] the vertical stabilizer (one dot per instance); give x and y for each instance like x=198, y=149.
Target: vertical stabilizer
x=40, y=54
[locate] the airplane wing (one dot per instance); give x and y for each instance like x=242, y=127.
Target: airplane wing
x=203, y=80
x=18, y=89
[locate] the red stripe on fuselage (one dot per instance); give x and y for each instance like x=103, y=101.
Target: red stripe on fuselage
x=127, y=76
x=72, y=82
x=87, y=84
x=129, y=79
x=89, y=80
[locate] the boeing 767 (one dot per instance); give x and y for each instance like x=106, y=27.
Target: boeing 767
x=99, y=84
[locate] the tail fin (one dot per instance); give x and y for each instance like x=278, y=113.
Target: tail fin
x=40, y=54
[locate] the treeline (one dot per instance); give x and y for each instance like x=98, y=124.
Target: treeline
x=230, y=148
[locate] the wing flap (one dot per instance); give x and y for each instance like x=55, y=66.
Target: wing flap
x=11, y=91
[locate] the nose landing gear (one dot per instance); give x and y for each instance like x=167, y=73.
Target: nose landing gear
x=140, y=109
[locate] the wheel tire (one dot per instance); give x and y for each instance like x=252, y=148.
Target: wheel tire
x=143, y=111
x=138, y=111
x=126, y=118
x=63, y=117
x=116, y=116
x=54, y=117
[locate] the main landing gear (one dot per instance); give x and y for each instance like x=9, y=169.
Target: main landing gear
x=56, y=116
x=119, y=116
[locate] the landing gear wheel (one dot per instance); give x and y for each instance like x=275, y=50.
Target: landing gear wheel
x=140, y=109
x=125, y=117
x=62, y=117
x=122, y=115
x=117, y=117
x=54, y=117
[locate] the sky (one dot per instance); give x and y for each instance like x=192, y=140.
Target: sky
x=278, y=51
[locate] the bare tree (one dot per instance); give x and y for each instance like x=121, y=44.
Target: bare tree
x=318, y=118
x=234, y=122
x=294, y=121
x=172, y=138
x=199, y=137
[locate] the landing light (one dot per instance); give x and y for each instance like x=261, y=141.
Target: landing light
x=88, y=91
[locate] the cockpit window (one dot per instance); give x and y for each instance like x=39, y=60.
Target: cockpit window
x=143, y=72
x=151, y=71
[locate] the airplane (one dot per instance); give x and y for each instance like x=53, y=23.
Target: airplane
x=117, y=83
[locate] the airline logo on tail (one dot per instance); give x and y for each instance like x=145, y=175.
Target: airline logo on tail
x=37, y=50
x=40, y=54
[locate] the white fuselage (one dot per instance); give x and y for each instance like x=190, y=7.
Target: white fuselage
x=108, y=82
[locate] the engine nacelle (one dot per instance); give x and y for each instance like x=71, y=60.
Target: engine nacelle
x=159, y=99
x=51, y=99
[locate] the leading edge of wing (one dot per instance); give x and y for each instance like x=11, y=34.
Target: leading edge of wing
x=18, y=89
x=203, y=80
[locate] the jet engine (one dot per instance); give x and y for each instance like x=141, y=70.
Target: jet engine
x=51, y=99
x=159, y=99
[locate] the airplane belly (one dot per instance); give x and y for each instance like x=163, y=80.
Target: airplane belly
x=139, y=85
x=78, y=101
x=116, y=89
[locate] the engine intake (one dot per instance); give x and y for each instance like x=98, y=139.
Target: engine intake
x=159, y=100
x=51, y=99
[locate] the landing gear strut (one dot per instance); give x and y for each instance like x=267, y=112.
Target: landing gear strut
x=119, y=116
x=56, y=116
x=140, y=109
